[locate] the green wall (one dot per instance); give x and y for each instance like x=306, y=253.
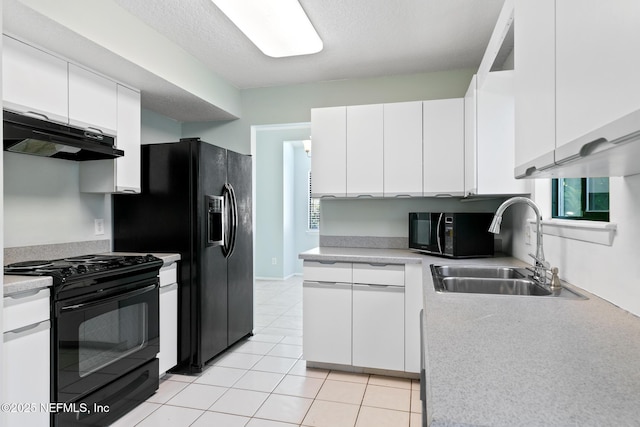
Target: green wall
x=292, y=104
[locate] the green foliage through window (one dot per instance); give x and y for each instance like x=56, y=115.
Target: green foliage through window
x=581, y=198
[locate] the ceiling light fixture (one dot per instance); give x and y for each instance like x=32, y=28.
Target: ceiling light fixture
x=278, y=28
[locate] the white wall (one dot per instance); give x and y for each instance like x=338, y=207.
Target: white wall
x=611, y=272
x=288, y=211
x=43, y=203
x=158, y=128
x=2, y=382
x=42, y=199
x=278, y=186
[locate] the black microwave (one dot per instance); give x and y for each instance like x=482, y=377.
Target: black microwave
x=454, y=235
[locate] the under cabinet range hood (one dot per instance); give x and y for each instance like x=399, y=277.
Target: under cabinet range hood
x=30, y=135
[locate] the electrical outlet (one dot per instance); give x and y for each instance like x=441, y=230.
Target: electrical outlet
x=274, y=261
x=98, y=225
x=527, y=234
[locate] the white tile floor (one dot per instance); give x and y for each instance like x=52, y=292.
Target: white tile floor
x=264, y=382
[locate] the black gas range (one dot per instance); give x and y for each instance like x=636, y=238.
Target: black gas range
x=104, y=335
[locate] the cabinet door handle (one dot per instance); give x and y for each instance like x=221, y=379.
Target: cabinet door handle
x=590, y=147
x=326, y=285
x=26, y=330
x=38, y=115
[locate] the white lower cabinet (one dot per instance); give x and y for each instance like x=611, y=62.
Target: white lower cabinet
x=26, y=358
x=327, y=322
x=378, y=326
x=168, y=355
x=357, y=314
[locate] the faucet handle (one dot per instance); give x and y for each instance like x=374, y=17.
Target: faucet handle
x=555, y=280
x=541, y=262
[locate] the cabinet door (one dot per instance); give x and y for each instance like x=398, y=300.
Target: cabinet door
x=535, y=85
x=443, y=133
x=327, y=322
x=597, y=67
x=413, y=303
x=365, y=150
x=470, y=176
x=378, y=326
x=121, y=175
x=26, y=374
x=128, y=139
x=168, y=355
x=495, y=139
x=34, y=81
x=403, y=149
x=92, y=101
x=329, y=152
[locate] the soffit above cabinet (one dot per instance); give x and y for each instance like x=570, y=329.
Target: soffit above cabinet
x=161, y=82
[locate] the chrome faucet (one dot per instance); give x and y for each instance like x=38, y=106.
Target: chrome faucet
x=540, y=266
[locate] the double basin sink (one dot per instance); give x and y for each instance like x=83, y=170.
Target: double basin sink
x=498, y=280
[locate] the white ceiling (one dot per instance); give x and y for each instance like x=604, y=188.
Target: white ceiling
x=362, y=38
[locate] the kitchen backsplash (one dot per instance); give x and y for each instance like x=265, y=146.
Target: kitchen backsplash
x=55, y=251
x=364, y=242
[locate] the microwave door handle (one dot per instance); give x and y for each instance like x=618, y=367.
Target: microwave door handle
x=439, y=233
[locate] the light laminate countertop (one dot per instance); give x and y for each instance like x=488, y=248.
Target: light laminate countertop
x=499, y=360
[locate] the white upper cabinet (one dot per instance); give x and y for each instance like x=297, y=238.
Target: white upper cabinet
x=329, y=152
x=578, y=77
x=34, y=81
x=121, y=175
x=470, y=172
x=93, y=101
x=492, y=171
x=597, y=65
x=365, y=150
x=443, y=152
x=128, y=139
x=535, y=98
x=403, y=149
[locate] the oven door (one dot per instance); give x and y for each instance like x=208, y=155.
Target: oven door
x=426, y=232
x=100, y=337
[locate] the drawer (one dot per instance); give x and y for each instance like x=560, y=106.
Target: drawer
x=379, y=274
x=25, y=308
x=169, y=274
x=319, y=271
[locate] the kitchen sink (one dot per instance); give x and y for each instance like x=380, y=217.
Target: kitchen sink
x=478, y=271
x=507, y=286
x=497, y=280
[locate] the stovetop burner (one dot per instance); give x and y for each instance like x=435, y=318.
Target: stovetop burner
x=29, y=265
x=84, y=271
x=95, y=259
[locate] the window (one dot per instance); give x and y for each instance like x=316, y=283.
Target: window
x=314, y=210
x=581, y=198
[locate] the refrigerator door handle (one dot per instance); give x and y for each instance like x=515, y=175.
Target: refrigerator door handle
x=230, y=237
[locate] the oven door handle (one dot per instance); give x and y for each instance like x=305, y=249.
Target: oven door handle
x=117, y=297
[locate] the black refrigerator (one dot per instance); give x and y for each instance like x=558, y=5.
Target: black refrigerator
x=196, y=201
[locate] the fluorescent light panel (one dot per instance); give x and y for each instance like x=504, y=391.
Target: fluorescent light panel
x=278, y=28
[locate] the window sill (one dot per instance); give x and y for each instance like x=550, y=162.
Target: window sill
x=601, y=233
